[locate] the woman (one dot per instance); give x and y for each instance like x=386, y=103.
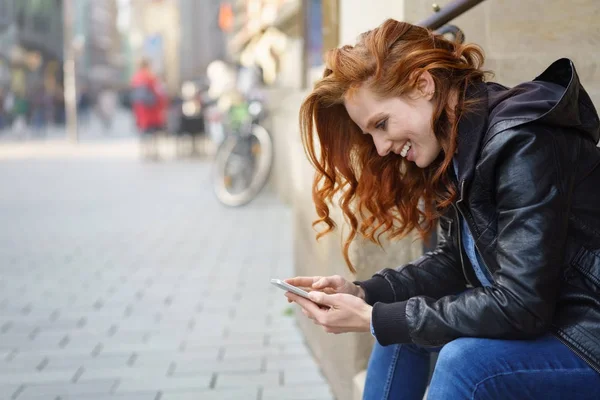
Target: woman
x=407, y=134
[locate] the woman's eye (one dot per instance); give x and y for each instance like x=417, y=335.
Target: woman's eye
x=381, y=125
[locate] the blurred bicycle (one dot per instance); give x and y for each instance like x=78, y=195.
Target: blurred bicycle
x=244, y=159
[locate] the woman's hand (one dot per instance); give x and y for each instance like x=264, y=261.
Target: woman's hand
x=328, y=284
x=336, y=313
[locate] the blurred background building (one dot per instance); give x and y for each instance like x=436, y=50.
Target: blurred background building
x=98, y=43
x=31, y=50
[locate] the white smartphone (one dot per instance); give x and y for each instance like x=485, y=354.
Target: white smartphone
x=296, y=290
x=290, y=288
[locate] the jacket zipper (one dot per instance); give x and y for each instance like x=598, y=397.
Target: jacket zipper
x=462, y=188
x=458, y=234
x=574, y=350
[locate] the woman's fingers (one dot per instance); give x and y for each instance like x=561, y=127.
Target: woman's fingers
x=303, y=281
x=334, y=282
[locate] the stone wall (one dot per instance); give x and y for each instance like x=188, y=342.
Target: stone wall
x=521, y=38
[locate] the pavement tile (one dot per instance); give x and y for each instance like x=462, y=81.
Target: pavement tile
x=310, y=392
x=279, y=364
x=7, y=390
x=234, y=352
x=101, y=361
x=57, y=351
x=195, y=382
x=67, y=390
x=125, y=372
x=215, y=394
x=149, y=395
x=286, y=338
x=193, y=367
x=115, y=347
x=247, y=379
x=194, y=342
x=200, y=355
x=19, y=362
x=63, y=376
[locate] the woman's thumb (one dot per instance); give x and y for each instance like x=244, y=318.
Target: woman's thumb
x=322, y=298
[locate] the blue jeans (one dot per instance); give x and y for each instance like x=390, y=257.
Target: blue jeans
x=474, y=368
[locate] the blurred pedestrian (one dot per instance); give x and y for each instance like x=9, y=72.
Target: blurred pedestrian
x=20, y=113
x=84, y=105
x=3, y=111
x=107, y=107
x=149, y=107
x=8, y=105
x=59, y=110
x=39, y=110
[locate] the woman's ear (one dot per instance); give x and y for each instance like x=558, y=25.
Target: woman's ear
x=426, y=85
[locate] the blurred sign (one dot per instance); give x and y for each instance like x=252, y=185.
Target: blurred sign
x=225, y=17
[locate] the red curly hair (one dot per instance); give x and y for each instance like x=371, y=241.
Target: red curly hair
x=382, y=195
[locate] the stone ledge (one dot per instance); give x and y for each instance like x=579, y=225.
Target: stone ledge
x=358, y=385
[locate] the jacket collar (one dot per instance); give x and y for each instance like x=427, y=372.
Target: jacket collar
x=555, y=97
x=471, y=130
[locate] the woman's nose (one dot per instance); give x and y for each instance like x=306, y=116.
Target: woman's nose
x=383, y=146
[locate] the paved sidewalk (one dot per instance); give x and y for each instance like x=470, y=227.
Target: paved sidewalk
x=127, y=280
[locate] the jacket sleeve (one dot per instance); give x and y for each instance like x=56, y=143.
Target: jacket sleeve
x=532, y=216
x=435, y=274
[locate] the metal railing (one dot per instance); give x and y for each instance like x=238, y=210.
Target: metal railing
x=444, y=15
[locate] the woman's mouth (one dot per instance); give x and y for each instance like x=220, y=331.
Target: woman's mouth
x=405, y=148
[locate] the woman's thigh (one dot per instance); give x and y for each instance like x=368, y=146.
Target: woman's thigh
x=543, y=368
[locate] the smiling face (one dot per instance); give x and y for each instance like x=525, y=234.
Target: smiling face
x=400, y=125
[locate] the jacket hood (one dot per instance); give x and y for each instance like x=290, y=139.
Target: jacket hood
x=556, y=97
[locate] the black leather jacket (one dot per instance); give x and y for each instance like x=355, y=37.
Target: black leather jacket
x=529, y=189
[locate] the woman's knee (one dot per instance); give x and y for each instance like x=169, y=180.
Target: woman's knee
x=460, y=352
x=457, y=368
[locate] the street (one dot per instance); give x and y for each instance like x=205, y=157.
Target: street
x=123, y=279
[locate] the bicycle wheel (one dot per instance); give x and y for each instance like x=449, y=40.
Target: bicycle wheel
x=242, y=167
